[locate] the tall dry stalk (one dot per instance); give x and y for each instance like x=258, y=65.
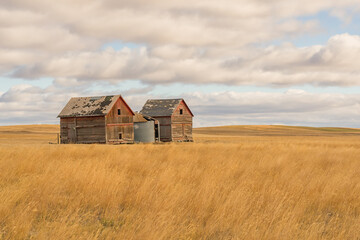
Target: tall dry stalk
x=256, y=188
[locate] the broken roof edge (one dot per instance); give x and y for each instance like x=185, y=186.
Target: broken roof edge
x=147, y=118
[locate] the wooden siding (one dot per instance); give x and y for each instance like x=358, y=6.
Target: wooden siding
x=119, y=124
x=82, y=130
x=165, y=128
x=181, y=124
x=181, y=132
x=177, y=130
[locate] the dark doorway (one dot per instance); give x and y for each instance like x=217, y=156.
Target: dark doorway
x=156, y=131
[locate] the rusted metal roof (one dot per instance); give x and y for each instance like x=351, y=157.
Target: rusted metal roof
x=160, y=107
x=89, y=106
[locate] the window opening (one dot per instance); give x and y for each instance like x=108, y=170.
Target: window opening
x=120, y=136
x=181, y=111
x=119, y=112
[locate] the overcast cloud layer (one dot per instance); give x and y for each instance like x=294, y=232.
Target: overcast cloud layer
x=230, y=42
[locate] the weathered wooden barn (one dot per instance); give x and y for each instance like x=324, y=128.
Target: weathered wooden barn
x=174, y=116
x=104, y=119
x=146, y=129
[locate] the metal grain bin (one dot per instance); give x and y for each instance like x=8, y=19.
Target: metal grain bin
x=144, y=132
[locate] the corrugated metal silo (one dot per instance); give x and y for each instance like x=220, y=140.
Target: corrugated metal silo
x=144, y=132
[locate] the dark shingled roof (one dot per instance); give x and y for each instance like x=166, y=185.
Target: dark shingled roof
x=89, y=106
x=160, y=107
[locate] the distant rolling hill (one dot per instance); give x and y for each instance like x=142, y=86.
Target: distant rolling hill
x=30, y=134
x=275, y=130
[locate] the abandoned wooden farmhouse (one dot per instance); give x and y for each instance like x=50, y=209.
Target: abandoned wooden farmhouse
x=106, y=119
x=109, y=119
x=174, y=116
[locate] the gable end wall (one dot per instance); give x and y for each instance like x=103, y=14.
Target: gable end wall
x=181, y=124
x=119, y=124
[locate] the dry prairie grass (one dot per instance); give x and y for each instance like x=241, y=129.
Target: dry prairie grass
x=28, y=134
x=222, y=187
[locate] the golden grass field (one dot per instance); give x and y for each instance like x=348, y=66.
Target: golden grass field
x=239, y=182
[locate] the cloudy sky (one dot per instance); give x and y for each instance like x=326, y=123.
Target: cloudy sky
x=234, y=61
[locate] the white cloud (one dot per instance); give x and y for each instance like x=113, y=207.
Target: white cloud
x=200, y=42
x=334, y=64
x=184, y=43
x=230, y=23
x=54, y=39
x=165, y=22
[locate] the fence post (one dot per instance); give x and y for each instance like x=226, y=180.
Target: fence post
x=58, y=138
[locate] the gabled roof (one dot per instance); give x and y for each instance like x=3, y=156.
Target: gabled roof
x=90, y=106
x=162, y=107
